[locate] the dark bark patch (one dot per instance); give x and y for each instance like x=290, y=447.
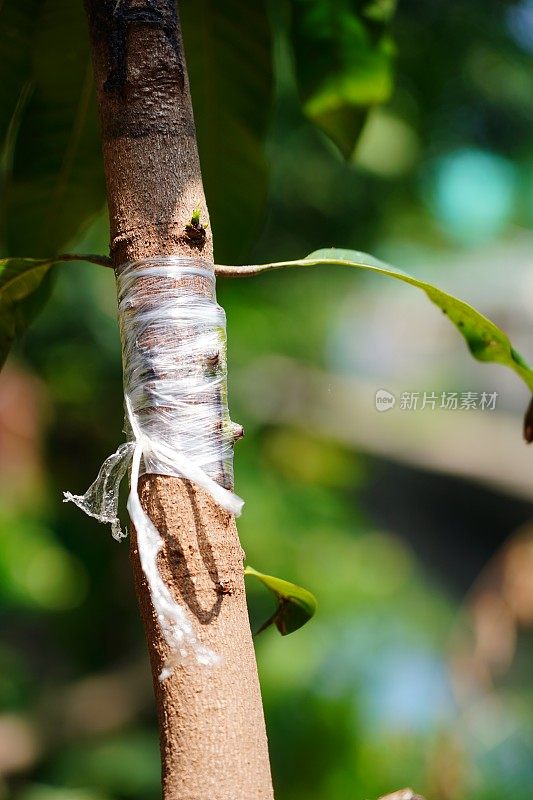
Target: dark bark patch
x=121, y=15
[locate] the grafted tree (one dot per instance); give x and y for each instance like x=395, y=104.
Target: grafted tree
x=213, y=739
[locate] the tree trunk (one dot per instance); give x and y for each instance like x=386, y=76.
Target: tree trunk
x=213, y=739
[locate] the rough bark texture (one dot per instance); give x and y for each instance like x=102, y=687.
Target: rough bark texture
x=213, y=740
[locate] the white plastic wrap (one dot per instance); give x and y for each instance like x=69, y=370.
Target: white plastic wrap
x=173, y=337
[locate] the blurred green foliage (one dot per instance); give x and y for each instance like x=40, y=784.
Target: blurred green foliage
x=54, y=166
x=343, y=60
x=375, y=693
x=231, y=85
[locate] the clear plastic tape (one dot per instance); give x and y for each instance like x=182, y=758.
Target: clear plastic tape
x=173, y=337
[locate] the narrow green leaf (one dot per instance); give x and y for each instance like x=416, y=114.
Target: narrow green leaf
x=19, y=277
x=24, y=287
x=485, y=340
x=22, y=292
x=295, y=605
x=343, y=63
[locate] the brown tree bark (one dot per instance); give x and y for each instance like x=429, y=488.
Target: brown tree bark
x=213, y=739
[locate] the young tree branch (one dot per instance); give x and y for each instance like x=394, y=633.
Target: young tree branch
x=213, y=740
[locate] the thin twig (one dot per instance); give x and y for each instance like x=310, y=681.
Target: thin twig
x=103, y=261
x=224, y=271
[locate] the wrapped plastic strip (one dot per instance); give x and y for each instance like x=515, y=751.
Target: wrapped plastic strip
x=173, y=336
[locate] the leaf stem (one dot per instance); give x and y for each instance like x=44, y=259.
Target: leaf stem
x=247, y=270
x=103, y=261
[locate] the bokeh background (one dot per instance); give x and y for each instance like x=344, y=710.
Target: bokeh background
x=412, y=527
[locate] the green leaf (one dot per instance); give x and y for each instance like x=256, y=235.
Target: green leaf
x=22, y=292
x=485, y=340
x=24, y=287
x=295, y=606
x=343, y=63
x=55, y=180
x=229, y=62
